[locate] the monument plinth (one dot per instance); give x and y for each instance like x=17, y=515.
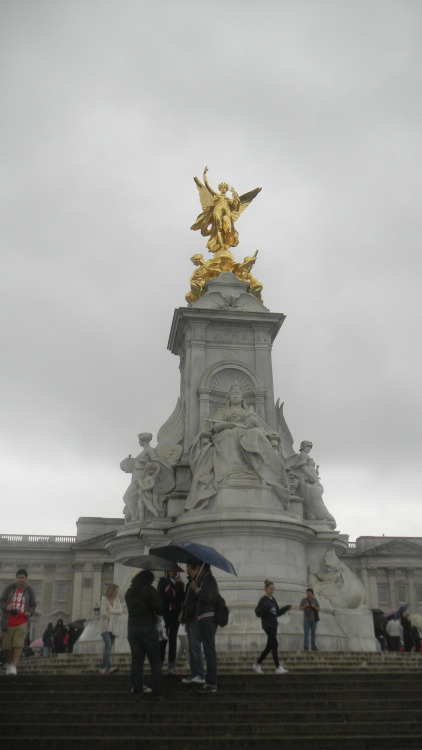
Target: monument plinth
x=224, y=471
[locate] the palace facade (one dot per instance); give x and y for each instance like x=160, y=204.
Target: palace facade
x=70, y=573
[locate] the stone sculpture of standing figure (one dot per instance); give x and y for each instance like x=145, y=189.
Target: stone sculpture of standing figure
x=302, y=466
x=152, y=479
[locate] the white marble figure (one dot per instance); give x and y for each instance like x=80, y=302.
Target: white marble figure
x=302, y=466
x=234, y=447
x=338, y=588
x=152, y=479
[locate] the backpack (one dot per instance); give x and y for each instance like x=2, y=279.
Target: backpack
x=221, y=611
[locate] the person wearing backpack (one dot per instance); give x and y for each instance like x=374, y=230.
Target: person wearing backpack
x=205, y=590
x=268, y=610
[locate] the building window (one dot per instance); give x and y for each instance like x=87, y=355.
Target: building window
x=62, y=592
x=401, y=594
x=418, y=588
x=382, y=593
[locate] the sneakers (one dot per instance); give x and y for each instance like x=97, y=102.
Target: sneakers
x=193, y=680
x=257, y=668
x=281, y=670
x=145, y=689
x=173, y=672
x=207, y=688
x=11, y=669
x=113, y=670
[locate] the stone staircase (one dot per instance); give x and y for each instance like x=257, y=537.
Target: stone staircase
x=326, y=702
x=240, y=662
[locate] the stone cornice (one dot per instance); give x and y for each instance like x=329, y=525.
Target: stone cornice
x=229, y=318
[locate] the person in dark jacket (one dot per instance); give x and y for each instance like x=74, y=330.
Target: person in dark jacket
x=268, y=610
x=46, y=639
x=205, y=591
x=196, y=664
x=144, y=605
x=60, y=637
x=171, y=590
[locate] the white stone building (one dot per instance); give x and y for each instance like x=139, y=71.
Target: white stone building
x=70, y=573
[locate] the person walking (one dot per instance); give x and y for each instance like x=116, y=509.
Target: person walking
x=310, y=607
x=17, y=604
x=268, y=610
x=171, y=590
x=110, y=610
x=144, y=604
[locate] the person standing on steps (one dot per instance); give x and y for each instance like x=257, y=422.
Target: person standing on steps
x=268, y=610
x=171, y=590
x=310, y=608
x=143, y=605
x=110, y=610
x=17, y=604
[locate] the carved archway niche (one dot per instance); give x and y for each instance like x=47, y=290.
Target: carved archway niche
x=216, y=382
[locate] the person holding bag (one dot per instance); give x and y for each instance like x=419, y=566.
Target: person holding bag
x=268, y=610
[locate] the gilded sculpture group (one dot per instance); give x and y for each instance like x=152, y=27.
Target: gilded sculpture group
x=234, y=444
x=216, y=221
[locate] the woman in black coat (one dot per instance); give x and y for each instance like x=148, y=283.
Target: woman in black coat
x=268, y=610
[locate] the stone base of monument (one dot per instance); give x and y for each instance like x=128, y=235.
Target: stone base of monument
x=250, y=527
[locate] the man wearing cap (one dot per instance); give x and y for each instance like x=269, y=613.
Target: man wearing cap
x=17, y=604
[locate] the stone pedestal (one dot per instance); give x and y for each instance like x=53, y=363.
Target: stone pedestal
x=226, y=337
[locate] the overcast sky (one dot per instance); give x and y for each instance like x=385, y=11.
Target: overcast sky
x=108, y=110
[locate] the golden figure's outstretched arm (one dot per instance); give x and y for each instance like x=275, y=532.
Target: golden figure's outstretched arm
x=206, y=183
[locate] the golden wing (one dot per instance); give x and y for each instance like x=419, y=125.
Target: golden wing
x=245, y=200
x=205, y=196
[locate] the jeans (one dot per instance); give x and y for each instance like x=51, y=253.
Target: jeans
x=272, y=645
x=171, y=620
x=309, y=625
x=108, y=639
x=143, y=641
x=195, y=650
x=47, y=650
x=207, y=629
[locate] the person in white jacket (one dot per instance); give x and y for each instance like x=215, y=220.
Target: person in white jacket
x=110, y=610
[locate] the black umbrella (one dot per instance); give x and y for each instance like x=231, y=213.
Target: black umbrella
x=149, y=562
x=184, y=549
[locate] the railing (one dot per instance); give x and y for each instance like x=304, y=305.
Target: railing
x=42, y=539
x=351, y=545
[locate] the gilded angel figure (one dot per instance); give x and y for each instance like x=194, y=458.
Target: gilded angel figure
x=219, y=212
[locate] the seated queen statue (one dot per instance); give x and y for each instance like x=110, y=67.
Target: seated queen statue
x=234, y=446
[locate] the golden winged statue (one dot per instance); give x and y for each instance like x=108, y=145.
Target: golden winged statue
x=219, y=213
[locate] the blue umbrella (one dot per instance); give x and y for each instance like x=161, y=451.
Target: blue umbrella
x=184, y=549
